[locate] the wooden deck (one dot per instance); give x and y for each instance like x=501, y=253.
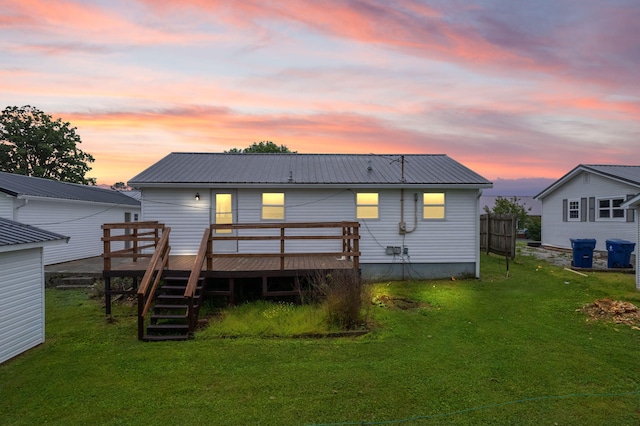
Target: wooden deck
x=228, y=267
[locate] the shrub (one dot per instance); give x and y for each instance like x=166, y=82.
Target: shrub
x=341, y=294
x=535, y=229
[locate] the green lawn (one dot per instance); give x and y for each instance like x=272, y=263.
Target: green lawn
x=491, y=351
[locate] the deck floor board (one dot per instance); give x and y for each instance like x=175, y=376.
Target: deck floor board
x=184, y=263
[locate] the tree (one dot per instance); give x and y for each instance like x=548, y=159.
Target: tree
x=120, y=186
x=511, y=206
x=263, y=147
x=33, y=144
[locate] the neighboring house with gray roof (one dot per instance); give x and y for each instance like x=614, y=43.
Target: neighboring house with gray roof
x=419, y=214
x=589, y=202
x=634, y=203
x=22, y=286
x=77, y=211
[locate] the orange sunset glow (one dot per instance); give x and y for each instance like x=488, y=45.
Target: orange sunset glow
x=522, y=92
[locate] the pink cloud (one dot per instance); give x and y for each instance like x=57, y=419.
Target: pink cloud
x=506, y=153
x=89, y=23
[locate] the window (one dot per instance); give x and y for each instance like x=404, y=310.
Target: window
x=273, y=206
x=573, y=213
x=224, y=212
x=433, y=205
x=367, y=205
x=609, y=208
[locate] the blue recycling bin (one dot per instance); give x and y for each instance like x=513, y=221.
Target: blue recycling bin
x=583, y=252
x=619, y=253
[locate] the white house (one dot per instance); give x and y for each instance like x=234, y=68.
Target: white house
x=589, y=202
x=69, y=209
x=419, y=214
x=22, y=286
x=634, y=203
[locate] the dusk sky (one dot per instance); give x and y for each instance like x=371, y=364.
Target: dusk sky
x=511, y=89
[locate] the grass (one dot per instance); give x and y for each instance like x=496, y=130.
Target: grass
x=491, y=351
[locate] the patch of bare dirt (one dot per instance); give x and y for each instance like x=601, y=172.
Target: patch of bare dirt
x=614, y=310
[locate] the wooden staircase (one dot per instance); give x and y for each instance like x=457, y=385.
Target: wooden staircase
x=170, y=319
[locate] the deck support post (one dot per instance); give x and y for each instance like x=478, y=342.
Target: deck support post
x=107, y=295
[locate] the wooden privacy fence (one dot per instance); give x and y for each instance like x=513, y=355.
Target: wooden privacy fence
x=498, y=234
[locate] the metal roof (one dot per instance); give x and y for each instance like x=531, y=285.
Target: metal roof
x=312, y=169
x=19, y=185
x=627, y=174
x=14, y=233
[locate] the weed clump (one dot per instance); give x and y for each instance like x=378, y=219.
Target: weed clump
x=341, y=294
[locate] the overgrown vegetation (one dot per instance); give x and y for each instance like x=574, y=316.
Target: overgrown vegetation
x=497, y=350
x=342, y=296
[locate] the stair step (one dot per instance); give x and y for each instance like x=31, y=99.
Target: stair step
x=167, y=327
x=165, y=337
x=161, y=306
x=168, y=316
x=177, y=288
x=171, y=296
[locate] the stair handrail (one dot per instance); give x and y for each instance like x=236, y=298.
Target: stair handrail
x=194, y=276
x=159, y=260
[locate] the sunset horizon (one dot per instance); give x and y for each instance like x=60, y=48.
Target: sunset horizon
x=525, y=92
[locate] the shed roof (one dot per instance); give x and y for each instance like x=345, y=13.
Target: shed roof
x=20, y=185
x=626, y=174
x=311, y=169
x=15, y=233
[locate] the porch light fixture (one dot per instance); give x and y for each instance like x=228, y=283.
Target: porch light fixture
x=197, y=196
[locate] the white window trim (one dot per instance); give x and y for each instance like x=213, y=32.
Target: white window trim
x=578, y=210
x=610, y=208
x=263, y=205
x=443, y=205
x=377, y=205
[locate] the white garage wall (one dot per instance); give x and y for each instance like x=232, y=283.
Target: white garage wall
x=21, y=301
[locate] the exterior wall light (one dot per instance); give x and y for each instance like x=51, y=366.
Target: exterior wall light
x=197, y=196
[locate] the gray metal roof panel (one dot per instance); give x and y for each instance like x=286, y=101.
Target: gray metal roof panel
x=628, y=174
x=14, y=184
x=13, y=233
x=225, y=168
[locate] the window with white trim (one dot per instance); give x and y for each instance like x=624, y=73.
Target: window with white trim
x=573, y=210
x=609, y=208
x=367, y=205
x=273, y=206
x=433, y=205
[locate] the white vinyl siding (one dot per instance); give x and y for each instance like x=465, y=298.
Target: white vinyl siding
x=21, y=301
x=558, y=232
x=81, y=221
x=453, y=240
x=178, y=209
x=6, y=206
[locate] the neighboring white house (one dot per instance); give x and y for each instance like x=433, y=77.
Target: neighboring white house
x=22, y=286
x=634, y=203
x=419, y=214
x=77, y=211
x=589, y=202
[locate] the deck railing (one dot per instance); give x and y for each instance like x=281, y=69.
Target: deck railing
x=138, y=239
x=149, y=284
x=349, y=237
